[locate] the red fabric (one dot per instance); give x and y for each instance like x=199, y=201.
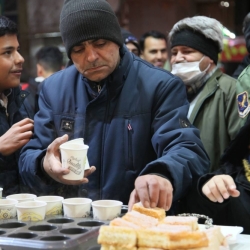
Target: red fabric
x=24, y=86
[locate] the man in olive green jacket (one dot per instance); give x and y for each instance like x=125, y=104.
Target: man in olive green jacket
x=195, y=44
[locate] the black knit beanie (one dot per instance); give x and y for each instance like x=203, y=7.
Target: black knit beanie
x=83, y=20
x=197, y=41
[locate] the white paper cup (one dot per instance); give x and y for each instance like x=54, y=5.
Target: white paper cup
x=106, y=209
x=75, y=141
x=74, y=158
x=1, y=193
x=54, y=204
x=76, y=207
x=7, y=208
x=79, y=141
x=21, y=197
x=31, y=210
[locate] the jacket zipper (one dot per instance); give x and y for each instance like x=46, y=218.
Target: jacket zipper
x=99, y=88
x=130, y=153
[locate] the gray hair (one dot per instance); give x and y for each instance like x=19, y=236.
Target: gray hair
x=209, y=27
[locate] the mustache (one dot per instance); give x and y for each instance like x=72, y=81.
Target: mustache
x=93, y=65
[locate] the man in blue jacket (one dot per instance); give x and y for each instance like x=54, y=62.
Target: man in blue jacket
x=131, y=114
x=15, y=124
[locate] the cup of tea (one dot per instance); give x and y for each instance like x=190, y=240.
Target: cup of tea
x=21, y=197
x=76, y=207
x=7, y=208
x=106, y=209
x=54, y=204
x=31, y=210
x=78, y=141
x=73, y=157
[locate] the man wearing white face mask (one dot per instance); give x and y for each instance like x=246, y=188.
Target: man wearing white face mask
x=195, y=44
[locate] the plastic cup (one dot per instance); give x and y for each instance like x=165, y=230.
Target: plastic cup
x=54, y=204
x=7, y=208
x=76, y=207
x=78, y=141
x=73, y=157
x=31, y=210
x=106, y=209
x=21, y=197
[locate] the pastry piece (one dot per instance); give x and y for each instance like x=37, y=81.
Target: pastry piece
x=141, y=220
x=215, y=238
x=216, y=241
x=117, y=236
x=172, y=228
x=158, y=213
x=111, y=247
x=171, y=240
x=190, y=221
x=119, y=222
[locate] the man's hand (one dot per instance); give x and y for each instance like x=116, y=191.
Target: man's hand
x=53, y=167
x=220, y=187
x=16, y=137
x=152, y=191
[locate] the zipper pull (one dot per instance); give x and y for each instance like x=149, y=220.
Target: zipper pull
x=129, y=127
x=99, y=88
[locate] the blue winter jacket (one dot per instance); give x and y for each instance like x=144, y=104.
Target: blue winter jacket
x=137, y=125
x=17, y=109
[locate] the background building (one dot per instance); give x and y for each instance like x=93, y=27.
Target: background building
x=38, y=20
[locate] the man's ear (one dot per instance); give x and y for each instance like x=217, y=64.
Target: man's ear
x=39, y=70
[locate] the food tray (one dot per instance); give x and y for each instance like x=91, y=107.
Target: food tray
x=55, y=232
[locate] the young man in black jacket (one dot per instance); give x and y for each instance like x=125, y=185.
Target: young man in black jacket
x=15, y=123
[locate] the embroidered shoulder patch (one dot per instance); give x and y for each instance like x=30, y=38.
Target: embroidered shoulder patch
x=243, y=104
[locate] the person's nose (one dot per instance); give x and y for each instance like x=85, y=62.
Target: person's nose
x=159, y=55
x=179, y=57
x=18, y=58
x=91, y=54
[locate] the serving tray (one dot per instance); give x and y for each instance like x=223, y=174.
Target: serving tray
x=55, y=232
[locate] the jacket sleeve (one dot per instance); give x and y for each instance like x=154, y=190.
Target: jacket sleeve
x=180, y=152
x=32, y=177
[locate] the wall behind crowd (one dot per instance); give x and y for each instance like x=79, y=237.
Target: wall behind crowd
x=38, y=20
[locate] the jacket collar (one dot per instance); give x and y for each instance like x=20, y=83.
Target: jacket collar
x=209, y=88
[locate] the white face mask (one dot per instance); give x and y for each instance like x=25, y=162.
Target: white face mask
x=189, y=72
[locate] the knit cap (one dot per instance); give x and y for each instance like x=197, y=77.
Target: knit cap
x=83, y=20
x=200, y=33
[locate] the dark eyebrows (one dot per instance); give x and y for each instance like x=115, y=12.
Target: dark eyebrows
x=9, y=48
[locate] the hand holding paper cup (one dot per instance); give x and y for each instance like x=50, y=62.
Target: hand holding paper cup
x=78, y=141
x=73, y=157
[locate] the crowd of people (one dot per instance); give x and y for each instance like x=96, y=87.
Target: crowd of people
x=177, y=140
